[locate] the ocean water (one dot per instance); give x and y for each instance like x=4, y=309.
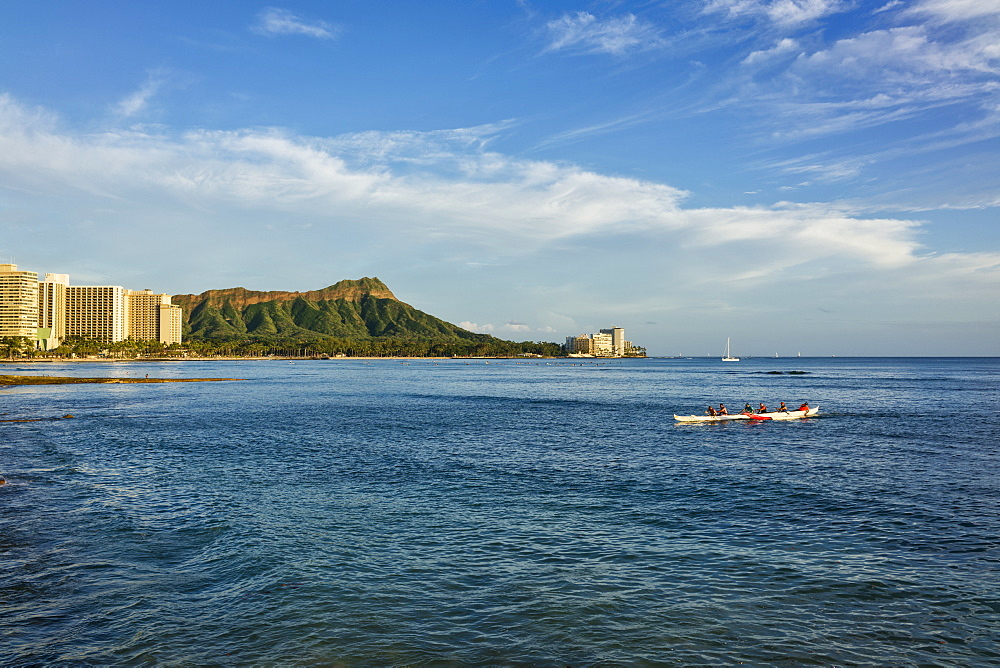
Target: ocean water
x=466, y=512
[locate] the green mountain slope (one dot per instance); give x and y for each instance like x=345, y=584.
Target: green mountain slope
x=360, y=309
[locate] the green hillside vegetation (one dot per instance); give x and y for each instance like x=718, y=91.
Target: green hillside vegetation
x=366, y=318
x=355, y=318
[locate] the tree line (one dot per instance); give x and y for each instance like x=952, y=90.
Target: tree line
x=77, y=346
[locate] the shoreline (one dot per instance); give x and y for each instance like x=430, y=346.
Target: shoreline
x=282, y=358
x=15, y=380
x=85, y=360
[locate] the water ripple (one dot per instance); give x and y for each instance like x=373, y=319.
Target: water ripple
x=452, y=513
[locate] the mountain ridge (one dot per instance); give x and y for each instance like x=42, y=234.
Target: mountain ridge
x=348, y=289
x=352, y=308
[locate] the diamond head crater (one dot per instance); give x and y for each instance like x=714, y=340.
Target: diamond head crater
x=353, y=318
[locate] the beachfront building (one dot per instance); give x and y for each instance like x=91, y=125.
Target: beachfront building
x=151, y=317
x=18, y=303
x=617, y=335
x=97, y=312
x=47, y=312
x=52, y=310
x=601, y=345
x=579, y=345
x=606, y=343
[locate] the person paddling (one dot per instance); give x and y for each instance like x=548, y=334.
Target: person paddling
x=711, y=411
x=804, y=406
x=723, y=410
x=748, y=408
x=763, y=408
x=783, y=408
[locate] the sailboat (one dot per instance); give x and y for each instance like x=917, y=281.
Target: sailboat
x=728, y=357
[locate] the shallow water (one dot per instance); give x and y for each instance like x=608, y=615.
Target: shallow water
x=464, y=512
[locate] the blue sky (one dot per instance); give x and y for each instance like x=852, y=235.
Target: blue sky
x=810, y=176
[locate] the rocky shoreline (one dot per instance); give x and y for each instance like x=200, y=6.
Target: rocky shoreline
x=67, y=380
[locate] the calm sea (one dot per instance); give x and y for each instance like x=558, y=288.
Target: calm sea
x=469, y=512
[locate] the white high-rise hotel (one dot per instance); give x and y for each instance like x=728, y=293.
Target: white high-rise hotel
x=48, y=311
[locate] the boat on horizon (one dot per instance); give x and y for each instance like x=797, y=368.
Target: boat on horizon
x=728, y=356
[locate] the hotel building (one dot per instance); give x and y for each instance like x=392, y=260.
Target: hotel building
x=52, y=310
x=96, y=312
x=606, y=343
x=151, y=317
x=48, y=311
x=617, y=335
x=18, y=302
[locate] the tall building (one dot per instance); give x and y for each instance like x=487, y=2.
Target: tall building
x=617, y=340
x=601, y=345
x=52, y=310
x=48, y=311
x=607, y=343
x=97, y=312
x=171, y=323
x=578, y=344
x=151, y=317
x=18, y=302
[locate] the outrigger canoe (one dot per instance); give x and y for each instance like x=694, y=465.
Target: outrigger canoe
x=777, y=415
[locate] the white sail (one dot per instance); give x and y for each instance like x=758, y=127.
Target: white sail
x=728, y=356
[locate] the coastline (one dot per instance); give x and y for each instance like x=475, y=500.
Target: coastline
x=264, y=359
x=12, y=380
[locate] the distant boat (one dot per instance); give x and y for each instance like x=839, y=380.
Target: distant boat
x=728, y=357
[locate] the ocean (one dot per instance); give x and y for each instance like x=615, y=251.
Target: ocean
x=502, y=512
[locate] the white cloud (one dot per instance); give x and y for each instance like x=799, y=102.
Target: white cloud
x=508, y=328
x=957, y=10
x=903, y=54
x=138, y=102
x=888, y=6
x=782, y=12
x=782, y=48
x=477, y=328
x=615, y=125
x=821, y=168
x=583, y=32
x=275, y=21
x=441, y=199
x=909, y=79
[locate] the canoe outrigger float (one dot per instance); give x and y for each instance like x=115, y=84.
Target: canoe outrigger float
x=777, y=415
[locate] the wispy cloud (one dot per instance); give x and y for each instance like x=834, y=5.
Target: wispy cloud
x=443, y=200
x=510, y=328
x=784, y=47
x=138, y=101
x=275, y=21
x=957, y=10
x=583, y=32
x=782, y=12
x=929, y=81
x=614, y=125
x=903, y=54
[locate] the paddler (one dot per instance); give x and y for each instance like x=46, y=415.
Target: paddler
x=782, y=408
x=804, y=406
x=723, y=410
x=763, y=408
x=711, y=411
x=748, y=408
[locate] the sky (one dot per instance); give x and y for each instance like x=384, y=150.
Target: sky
x=804, y=176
